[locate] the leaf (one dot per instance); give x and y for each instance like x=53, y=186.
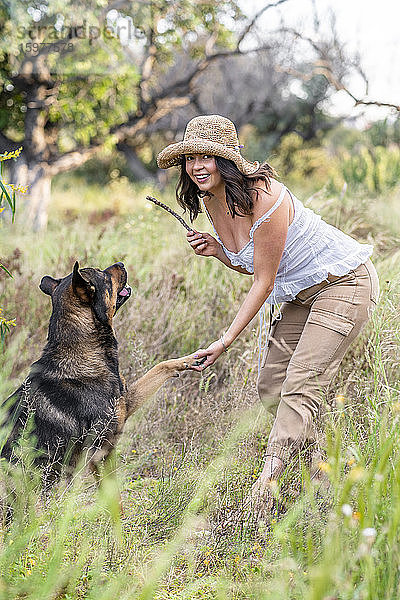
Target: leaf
x=5, y=269
x=7, y=195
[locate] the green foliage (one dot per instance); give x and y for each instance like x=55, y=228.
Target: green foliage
x=95, y=71
x=375, y=169
x=298, y=161
x=344, y=156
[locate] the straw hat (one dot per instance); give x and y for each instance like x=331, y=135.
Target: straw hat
x=212, y=134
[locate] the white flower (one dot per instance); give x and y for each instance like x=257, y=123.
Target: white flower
x=347, y=510
x=369, y=533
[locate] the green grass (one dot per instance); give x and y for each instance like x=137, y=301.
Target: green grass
x=189, y=457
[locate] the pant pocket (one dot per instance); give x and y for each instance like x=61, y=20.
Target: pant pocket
x=374, y=279
x=323, y=334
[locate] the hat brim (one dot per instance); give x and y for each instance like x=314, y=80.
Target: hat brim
x=171, y=155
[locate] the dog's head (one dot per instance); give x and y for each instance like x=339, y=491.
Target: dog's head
x=103, y=291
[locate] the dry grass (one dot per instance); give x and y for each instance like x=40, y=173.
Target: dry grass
x=193, y=452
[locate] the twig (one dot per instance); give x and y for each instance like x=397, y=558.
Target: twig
x=167, y=208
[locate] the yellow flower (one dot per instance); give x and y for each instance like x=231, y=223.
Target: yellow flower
x=13, y=154
x=356, y=515
x=1, y=209
x=340, y=399
x=356, y=473
x=324, y=467
x=19, y=188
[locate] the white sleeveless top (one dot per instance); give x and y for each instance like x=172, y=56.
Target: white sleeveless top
x=313, y=249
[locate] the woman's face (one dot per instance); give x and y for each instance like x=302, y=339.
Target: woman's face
x=202, y=169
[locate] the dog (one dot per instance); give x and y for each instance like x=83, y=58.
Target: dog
x=75, y=401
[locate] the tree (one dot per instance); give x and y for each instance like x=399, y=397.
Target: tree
x=119, y=71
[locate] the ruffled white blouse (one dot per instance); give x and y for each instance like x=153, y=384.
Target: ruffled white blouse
x=313, y=249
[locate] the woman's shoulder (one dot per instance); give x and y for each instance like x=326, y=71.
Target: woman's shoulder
x=263, y=198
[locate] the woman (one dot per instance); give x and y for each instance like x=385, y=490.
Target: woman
x=323, y=277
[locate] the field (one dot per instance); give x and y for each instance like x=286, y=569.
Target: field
x=188, y=458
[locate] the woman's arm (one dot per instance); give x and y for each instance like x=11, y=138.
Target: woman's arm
x=269, y=243
x=205, y=244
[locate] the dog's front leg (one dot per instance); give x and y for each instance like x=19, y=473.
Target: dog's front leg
x=142, y=389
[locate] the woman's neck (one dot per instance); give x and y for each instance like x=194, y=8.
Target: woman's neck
x=216, y=201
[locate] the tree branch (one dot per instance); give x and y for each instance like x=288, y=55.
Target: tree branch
x=120, y=133
x=253, y=21
x=324, y=67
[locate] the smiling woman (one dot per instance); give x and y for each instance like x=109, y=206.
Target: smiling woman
x=324, y=279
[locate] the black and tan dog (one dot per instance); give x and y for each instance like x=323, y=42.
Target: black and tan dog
x=75, y=400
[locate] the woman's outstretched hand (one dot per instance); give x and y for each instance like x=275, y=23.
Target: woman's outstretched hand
x=211, y=353
x=203, y=244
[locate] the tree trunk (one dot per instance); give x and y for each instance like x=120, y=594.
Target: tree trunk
x=39, y=198
x=135, y=165
x=34, y=210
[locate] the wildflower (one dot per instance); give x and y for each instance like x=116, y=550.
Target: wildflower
x=356, y=515
x=6, y=323
x=356, y=473
x=351, y=461
x=369, y=533
x=22, y=189
x=12, y=154
x=340, y=400
x=324, y=467
x=347, y=510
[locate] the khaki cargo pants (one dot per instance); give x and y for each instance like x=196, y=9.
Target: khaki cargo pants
x=305, y=350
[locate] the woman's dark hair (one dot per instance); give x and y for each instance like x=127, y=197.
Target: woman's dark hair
x=238, y=187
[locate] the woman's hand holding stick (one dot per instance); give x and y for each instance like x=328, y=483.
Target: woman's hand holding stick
x=203, y=244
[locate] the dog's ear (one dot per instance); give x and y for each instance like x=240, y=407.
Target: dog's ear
x=81, y=285
x=49, y=284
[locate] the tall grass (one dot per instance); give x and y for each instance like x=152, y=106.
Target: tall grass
x=188, y=458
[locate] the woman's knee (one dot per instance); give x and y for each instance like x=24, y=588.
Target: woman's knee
x=269, y=394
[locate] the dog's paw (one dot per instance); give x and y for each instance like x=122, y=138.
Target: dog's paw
x=194, y=362
x=185, y=363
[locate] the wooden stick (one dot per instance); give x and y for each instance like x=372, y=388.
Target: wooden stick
x=167, y=208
